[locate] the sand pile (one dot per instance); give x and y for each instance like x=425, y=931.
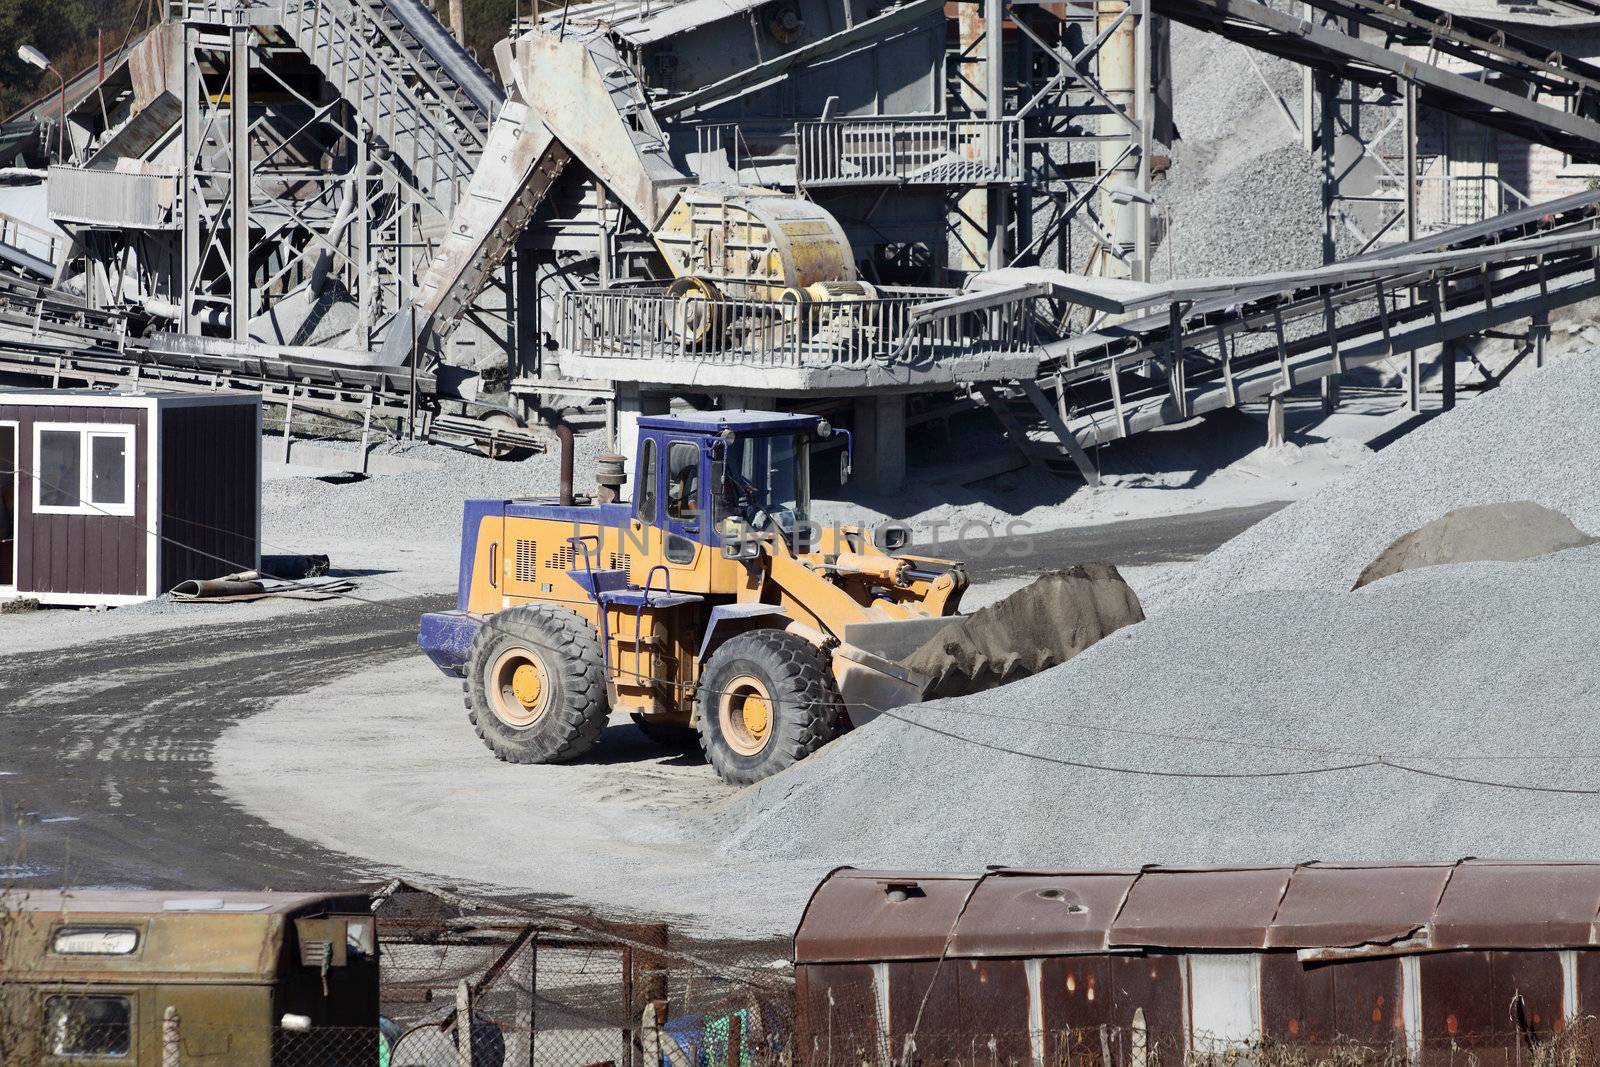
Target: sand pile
x=1505, y=532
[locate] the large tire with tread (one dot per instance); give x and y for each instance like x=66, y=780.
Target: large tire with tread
x=766, y=701
x=536, y=686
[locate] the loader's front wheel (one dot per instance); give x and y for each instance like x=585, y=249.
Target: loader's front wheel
x=535, y=685
x=766, y=701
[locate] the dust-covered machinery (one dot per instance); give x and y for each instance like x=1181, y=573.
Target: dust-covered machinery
x=712, y=601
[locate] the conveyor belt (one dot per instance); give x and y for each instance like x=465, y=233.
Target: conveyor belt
x=47, y=335
x=1524, y=89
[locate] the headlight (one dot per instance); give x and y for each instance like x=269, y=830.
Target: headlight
x=891, y=536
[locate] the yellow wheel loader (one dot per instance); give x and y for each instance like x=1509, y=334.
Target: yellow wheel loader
x=709, y=601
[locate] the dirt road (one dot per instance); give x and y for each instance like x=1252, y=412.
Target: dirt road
x=106, y=748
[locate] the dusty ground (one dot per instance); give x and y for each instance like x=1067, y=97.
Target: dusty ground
x=295, y=744
x=397, y=535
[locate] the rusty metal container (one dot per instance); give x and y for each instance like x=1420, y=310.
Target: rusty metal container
x=1418, y=963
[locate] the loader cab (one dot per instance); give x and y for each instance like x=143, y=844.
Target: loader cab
x=706, y=479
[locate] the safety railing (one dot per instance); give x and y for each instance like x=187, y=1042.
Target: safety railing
x=224, y=12
x=36, y=241
x=848, y=330
x=910, y=151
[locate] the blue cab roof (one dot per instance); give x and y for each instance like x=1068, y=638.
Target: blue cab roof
x=739, y=421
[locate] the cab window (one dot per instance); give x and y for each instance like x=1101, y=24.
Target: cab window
x=88, y=1026
x=683, y=480
x=647, y=480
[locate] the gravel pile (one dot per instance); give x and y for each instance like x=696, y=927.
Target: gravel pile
x=1535, y=438
x=1242, y=196
x=1252, y=219
x=1432, y=669
x=421, y=505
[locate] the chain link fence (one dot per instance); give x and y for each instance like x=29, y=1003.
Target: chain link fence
x=745, y=1039
x=566, y=994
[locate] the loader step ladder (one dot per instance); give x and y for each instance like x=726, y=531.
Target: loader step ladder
x=648, y=597
x=609, y=587
x=1033, y=425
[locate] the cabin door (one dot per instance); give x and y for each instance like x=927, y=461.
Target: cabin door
x=8, y=506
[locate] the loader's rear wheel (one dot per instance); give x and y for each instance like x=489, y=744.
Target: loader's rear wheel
x=536, y=685
x=766, y=701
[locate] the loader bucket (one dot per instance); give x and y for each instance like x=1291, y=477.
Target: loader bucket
x=1040, y=626
x=871, y=684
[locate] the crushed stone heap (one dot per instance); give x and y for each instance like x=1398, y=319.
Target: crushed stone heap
x=1517, y=530
x=1536, y=438
x=1256, y=730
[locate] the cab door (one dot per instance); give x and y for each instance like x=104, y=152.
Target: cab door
x=684, y=478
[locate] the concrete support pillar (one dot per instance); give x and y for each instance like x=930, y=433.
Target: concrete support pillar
x=633, y=401
x=880, y=443
x=1275, y=425
x=1330, y=394
x=1539, y=327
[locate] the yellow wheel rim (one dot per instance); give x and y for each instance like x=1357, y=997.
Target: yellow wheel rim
x=519, y=691
x=744, y=711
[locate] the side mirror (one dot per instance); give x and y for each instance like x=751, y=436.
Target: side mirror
x=846, y=461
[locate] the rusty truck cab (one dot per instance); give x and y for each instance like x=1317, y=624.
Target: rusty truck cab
x=110, y=977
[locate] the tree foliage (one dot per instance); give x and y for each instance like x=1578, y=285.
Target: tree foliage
x=63, y=30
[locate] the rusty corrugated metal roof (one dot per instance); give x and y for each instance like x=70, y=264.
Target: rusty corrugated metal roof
x=1222, y=908
x=1332, y=906
x=1321, y=909
x=1524, y=903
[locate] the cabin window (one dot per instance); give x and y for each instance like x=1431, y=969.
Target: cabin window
x=683, y=480
x=83, y=470
x=88, y=1026
x=647, y=480
x=95, y=941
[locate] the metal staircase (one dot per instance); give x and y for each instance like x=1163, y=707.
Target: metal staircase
x=628, y=97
